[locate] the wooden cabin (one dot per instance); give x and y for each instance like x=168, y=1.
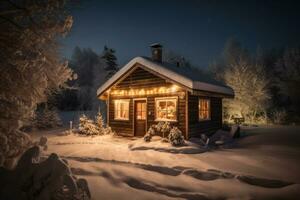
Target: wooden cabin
x=146, y=91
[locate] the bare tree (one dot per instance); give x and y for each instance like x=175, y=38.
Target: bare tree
x=251, y=92
x=247, y=78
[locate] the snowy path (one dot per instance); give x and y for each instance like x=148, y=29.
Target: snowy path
x=263, y=166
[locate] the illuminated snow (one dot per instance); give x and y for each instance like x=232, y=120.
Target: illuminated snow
x=261, y=166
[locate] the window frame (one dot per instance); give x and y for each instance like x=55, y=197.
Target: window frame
x=158, y=99
x=209, y=109
x=115, y=110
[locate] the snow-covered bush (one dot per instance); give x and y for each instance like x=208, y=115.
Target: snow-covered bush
x=46, y=118
x=12, y=145
x=166, y=128
x=161, y=128
x=158, y=126
x=41, y=180
x=109, y=131
x=151, y=132
x=87, y=126
x=90, y=127
x=175, y=137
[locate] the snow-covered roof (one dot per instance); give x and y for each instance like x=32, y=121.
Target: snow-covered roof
x=189, y=77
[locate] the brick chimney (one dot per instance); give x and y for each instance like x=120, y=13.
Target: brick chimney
x=156, y=50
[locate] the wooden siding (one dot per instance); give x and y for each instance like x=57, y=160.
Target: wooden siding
x=196, y=127
x=138, y=79
x=141, y=78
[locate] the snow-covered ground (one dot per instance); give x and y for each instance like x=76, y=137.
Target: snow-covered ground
x=263, y=164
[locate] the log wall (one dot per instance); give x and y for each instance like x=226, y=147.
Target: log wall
x=197, y=127
x=141, y=79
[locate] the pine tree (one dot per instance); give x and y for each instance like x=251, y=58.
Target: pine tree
x=87, y=126
x=31, y=67
x=102, y=128
x=110, y=60
x=99, y=121
x=47, y=118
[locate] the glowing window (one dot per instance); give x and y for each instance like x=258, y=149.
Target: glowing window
x=204, y=109
x=122, y=109
x=140, y=110
x=166, y=109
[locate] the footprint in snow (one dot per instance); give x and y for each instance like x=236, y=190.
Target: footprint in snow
x=209, y=175
x=268, y=183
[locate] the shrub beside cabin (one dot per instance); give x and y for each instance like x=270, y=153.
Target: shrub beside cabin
x=146, y=91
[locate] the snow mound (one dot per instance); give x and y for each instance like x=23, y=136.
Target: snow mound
x=160, y=146
x=49, y=179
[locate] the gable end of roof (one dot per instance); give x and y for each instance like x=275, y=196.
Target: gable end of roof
x=160, y=69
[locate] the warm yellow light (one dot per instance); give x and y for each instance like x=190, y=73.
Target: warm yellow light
x=142, y=92
x=146, y=91
x=161, y=90
x=174, y=88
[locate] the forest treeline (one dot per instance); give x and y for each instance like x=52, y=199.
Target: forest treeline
x=91, y=70
x=266, y=82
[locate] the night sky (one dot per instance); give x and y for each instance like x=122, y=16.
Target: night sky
x=196, y=29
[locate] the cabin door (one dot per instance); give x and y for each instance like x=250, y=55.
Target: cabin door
x=140, y=117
